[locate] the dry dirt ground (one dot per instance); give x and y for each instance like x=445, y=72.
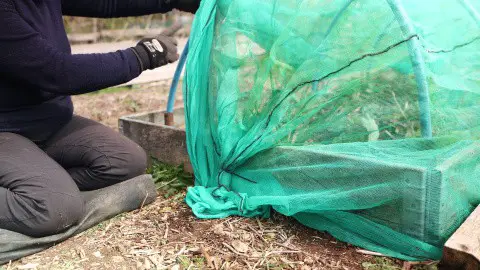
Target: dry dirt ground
x=165, y=234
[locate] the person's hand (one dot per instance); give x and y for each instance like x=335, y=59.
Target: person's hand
x=156, y=52
x=188, y=5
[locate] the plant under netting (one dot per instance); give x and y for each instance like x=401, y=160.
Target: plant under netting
x=360, y=118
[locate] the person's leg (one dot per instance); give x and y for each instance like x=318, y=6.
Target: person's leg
x=95, y=155
x=37, y=196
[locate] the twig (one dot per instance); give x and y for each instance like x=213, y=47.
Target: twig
x=259, y=224
x=390, y=134
x=399, y=106
x=168, y=183
x=143, y=202
x=260, y=262
x=221, y=251
x=284, y=252
x=9, y=265
x=181, y=251
x=285, y=246
x=236, y=252
x=257, y=233
x=165, y=236
x=372, y=253
x=109, y=225
x=249, y=267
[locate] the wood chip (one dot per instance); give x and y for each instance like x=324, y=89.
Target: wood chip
x=98, y=254
x=240, y=246
x=28, y=266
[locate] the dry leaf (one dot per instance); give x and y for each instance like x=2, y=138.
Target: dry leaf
x=218, y=229
x=240, y=246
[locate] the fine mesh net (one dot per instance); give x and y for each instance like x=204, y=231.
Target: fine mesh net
x=360, y=118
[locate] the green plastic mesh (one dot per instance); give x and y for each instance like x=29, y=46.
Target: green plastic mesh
x=359, y=118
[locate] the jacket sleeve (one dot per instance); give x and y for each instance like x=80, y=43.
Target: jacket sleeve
x=26, y=56
x=115, y=8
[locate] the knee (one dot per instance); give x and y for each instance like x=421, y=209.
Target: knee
x=123, y=160
x=136, y=162
x=10, y=140
x=56, y=214
x=129, y=162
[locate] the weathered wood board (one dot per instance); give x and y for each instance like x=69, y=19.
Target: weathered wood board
x=164, y=143
x=462, y=250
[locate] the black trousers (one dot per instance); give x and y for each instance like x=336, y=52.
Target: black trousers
x=40, y=183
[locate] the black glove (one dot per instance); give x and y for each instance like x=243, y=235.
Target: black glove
x=156, y=52
x=187, y=5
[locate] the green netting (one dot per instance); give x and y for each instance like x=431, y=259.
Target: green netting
x=360, y=118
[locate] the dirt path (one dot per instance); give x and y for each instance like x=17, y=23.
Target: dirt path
x=165, y=235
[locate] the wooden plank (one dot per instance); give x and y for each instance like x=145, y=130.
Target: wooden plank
x=462, y=250
x=165, y=143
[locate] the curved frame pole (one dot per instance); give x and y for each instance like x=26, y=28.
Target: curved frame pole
x=418, y=66
x=176, y=78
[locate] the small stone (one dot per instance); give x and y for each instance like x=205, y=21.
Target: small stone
x=98, y=254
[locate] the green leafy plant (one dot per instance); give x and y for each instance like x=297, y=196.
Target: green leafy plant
x=381, y=264
x=170, y=180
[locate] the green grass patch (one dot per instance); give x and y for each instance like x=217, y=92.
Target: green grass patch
x=381, y=264
x=390, y=264
x=170, y=180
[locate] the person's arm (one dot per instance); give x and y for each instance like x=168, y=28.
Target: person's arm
x=125, y=8
x=25, y=56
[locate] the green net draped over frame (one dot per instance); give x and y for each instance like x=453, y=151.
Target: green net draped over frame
x=356, y=117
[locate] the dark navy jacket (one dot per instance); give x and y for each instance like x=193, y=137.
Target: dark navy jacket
x=38, y=73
